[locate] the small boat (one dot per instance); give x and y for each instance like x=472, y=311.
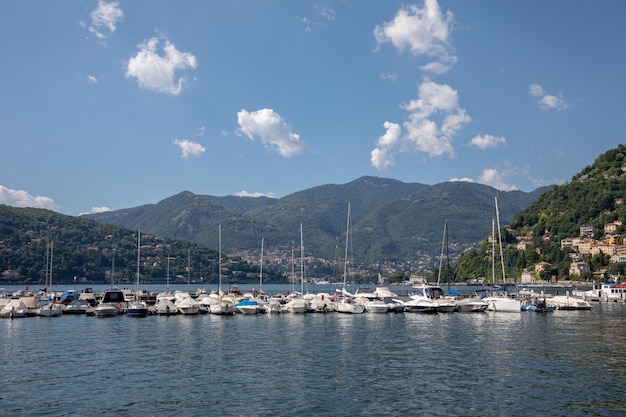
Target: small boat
x=395, y=305
x=568, y=302
x=347, y=303
x=349, y=306
x=113, y=303
x=247, y=306
x=376, y=306
x=14, y=309
x=165, y=307
x=136, y=307
x=50, y=309
x=296, y=306
x=472, y=304
x=186, y=304
x=224, y=306
x=500, y=302
x=421, y=304
x=87, y=295
x=76, y=307
x=68, y=296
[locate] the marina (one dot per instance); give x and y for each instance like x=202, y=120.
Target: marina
x=423, y=298
x=569, y=362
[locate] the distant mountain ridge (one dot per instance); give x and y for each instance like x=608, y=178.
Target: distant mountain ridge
x=391, y=220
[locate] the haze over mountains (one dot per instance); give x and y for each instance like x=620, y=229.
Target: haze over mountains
x=391, y=221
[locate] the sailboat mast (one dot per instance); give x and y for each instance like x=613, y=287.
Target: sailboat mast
x=493, y=251
x=345, y=264
x=301, y=261
x=188, y=268
x=138, y=255
x=113, y=265
x=293, y=273
x=443, y=243
x=219, y=262
x=50, y=267
x=261, y=270
x=500, y=242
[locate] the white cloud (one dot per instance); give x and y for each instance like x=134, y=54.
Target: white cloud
x=424, y=31
x=464, y=179
x=255, y=195
x=433, y=119
x=20, y=198
x=100, y=209
x=388, y=76
x=382, y=156
x=495, y=179
x=96, y=210
x=106, y=15
x=487, y=141
x=189, y=148
x=325, y=12
x=157, y=73
x=271, y=130
x=91, y=79
x=547, y=101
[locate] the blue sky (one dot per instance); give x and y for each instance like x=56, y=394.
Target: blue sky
x=115, y=104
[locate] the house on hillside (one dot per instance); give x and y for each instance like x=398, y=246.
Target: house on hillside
x=587, y=230
x=542, y=266
x=526, y=277
x=579, y=268
x=612, y=227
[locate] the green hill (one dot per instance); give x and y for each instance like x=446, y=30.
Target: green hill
x=84, y=248
x=594, y=197
x=392, y=221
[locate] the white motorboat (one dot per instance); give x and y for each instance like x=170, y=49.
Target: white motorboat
x=224, y=306
x=376, y=306
x=296, y=306
x=473, y=304
x=112, y=303
x=76, y=307
x=348, y=305
x=502, y=303
x=321, y=303
x=50, y=309
x=14, y=309
x=164, y=306
x=246, y=306
x=421, y=304
x=568, y=302
x=186, y=304
x=434, y=293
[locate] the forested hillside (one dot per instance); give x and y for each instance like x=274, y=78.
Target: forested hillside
x=85, y=249
x=594, y=197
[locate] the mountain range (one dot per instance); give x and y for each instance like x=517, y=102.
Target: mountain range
x=391, y=221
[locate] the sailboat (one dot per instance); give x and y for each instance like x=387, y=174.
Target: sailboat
x=137, y=308
x=297, y=304
x=164, y=304
x=224, y=305
x=185, y=303
x=50, y=308
x=113, y=301
x=500, y=302
x=347, y=304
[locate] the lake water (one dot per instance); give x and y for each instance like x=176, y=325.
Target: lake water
x=567, y=363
